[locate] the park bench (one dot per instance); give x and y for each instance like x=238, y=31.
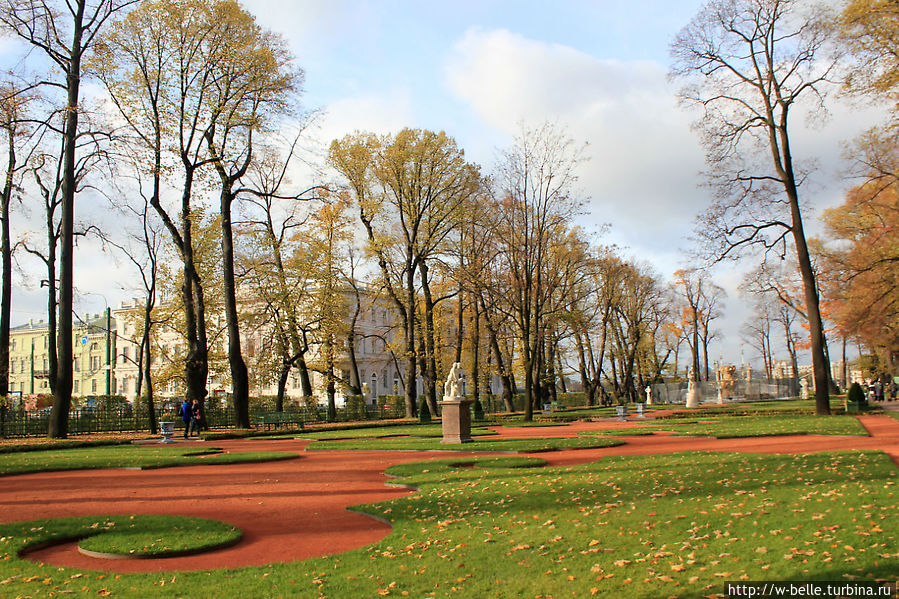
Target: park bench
x=278, y=419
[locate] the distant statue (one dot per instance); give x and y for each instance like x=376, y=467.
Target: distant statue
x=648, y=395
x=803, y=388
x=452, y=389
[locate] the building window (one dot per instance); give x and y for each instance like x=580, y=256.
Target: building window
x=125, y=355
x=125, y=385
x=75, y=366
x=12, y=345
x=75, y=386
x=93, y=385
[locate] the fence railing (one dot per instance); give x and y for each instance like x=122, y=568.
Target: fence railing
x=17, y=422
x=739, y=390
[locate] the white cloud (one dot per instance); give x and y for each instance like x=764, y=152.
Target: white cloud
x=380, y=113
x=642, y=176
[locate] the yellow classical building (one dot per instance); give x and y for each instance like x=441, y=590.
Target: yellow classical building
x=93, y=352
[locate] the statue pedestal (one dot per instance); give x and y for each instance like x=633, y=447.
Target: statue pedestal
x=692, y=397
x=456, y=417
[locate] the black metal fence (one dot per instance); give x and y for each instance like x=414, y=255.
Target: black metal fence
x=83, y=421
x=17, y=422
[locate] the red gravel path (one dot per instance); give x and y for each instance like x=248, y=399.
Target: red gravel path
x=296, y=509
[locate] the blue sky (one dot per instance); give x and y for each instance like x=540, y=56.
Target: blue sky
x=479, y=69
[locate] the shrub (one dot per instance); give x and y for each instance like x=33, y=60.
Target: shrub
x=856, y=394
x=392, y=406
x=354, y=408
x=424, y=412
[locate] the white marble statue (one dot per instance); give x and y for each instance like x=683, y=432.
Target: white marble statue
x=648, y=395
x=803, y=388
x=452, y=389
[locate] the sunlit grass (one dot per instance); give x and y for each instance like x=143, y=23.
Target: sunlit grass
x=151, y=536
x=126, y=456
x=637, y=527
x=753, y=426
x=407, y=430
x=479, y=444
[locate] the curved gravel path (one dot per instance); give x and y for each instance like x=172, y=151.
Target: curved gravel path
x=296, y=509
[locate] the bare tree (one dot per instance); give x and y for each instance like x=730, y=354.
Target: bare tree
x=18, y=145
x=64, y=32
x=535, y=182
x=757, y=332
x=747, y=64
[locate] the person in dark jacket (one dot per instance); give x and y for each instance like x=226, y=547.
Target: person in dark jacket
x=186, y=412
x=195, y=418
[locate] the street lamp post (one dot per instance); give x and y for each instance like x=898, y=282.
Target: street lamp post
x=108, y=335
x=108, y=351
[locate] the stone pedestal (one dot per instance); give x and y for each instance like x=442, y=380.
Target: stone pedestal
x=692, y=395
x=456, y=417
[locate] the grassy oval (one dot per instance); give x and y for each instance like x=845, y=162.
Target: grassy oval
x=156, y=536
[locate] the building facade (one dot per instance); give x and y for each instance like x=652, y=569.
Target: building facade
x=375, y=330
x=94, y=348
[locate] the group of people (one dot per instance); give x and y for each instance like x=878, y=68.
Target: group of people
x=878, y=389
x=190, y=415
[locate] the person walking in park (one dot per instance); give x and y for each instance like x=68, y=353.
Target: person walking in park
x=186, y=413
x=195, y=418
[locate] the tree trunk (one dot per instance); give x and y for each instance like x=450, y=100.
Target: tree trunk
x=58, y=426
x=355, y=385
x=240, y=380
x=582, y=366
x=410, y=391
x=529, y=376
x=810, y=287
x=563, y=387
x=303, y=369
x=146, y=365
x=549, y=361
x=6, y=249
x=844, y=378
x=475, y=354
x=508, y=389
x=460, y=315
x=695, y=348
x=329, y=378
x=283, y=375
x=430, y=372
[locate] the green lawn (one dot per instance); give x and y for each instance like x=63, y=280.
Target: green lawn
x=148, y=536
x=636, y=527
x=724, y=427
x=127, y=456
x=416, y=444
x=405, y=430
